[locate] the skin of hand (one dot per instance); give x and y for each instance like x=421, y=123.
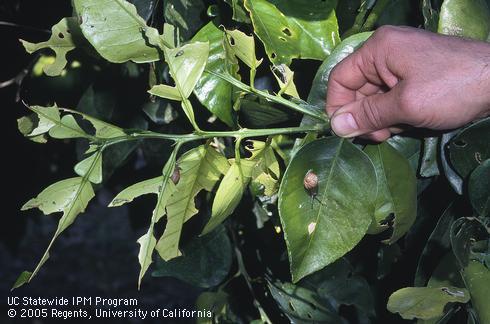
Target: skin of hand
x=404, y=77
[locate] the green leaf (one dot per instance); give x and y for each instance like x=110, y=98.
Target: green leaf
x=396, y=190
x=258, y=113
x=185, y=15
x=65, y=36
x=70, y=196
x=163, y=187
x=318, y=230
x=116, y=31
x=243, y=47
x=431, y=16
x=205, y=263
x=295, y=29
x=165, y=91
x=213, y=92
x=465, y=233
x=408, y=147
x=239, y=12
x=437, y=245
x=318, y=90
x=200, y=169
x=39, y=123
x=92, y=167
x=479, y=189
x=429, y=166
x=186, y=65
x=452, y=176
x=423, y=302
x=284, y=77
x=477, y=278
x=27, y=124
x=470, y=148
x=302, y=305
x=229, y=193
x=465, y=18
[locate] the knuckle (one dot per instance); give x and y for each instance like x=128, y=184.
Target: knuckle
x=386, y=33
x=371, y=113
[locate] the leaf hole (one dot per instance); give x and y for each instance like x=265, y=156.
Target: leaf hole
x=291, y=306
x=232, y=41
x=309, y=315
x=388, y=220
x=273, y=55
x=460, y=143
x=286, y=31
x=478, y=157
x=179, y=53
x=283, y=39
x=60, y=35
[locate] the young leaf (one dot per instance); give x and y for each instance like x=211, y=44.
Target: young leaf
x=213, y=92
x=284, y=77
x=65, y=36
x=239, y=12
x=265, y=172
x=242, y=46
x=423, y=302
x=200, y=169
x=295, y=28
x=92, y=167
x=322, y=224
x=396, y=190
x=165, y=91
x=164, y=187
x=116, y=31
x=229, y=193
x=429, y=166
x=185, y=15
x=70, y=196
x=27, y=124
x=39, y=123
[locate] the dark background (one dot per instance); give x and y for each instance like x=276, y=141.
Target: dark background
x=98, y=256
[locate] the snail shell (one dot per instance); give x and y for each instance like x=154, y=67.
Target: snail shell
x=310, y=182
x=175, y=175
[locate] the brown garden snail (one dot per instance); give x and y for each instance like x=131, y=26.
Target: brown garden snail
x=175, y=177
x=310, y=182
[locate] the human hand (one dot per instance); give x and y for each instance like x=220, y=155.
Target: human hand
x=405, y=76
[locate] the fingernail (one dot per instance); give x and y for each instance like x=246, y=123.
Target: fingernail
x=344, y=125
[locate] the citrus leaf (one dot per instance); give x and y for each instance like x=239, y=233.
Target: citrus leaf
x=43, y=119
x=200, y=169
x=423, y=302
x=239, y=12
x=185, y=15
x=429, y=166
x=476, y=277
x=136, y=190
x=116, y=31
x=165, y=91
x=70, y=196
x=205, y=262
x=465, y=18
x=318, y=230
x=479, y=189
x=92, y=167
x=284, y=77
x=243, y=47
x=213, y=92
x=229, y=193
x=396, y=190
x=26, y=126
x=295, y=29
x=470, y=148
x=65, y=36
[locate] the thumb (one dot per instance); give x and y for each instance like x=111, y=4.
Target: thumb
x=366, y=115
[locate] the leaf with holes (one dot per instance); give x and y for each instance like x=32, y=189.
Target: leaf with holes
x=242, y=46
x=295, y=29
x=65, y=37
x=470, y=148
x=199, y=169
x=321, y=228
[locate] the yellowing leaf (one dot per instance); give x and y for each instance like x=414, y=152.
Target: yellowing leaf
x=200, y=169
x=243, y=47
x=284, y=77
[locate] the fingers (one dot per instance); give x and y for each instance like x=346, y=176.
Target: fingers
x=369, y=114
